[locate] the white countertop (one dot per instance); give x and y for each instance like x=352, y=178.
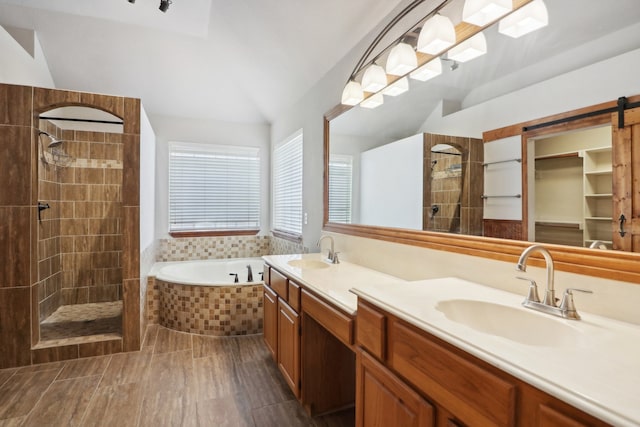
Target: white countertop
x=333, y=282
x=594, y=367
x=597, y=370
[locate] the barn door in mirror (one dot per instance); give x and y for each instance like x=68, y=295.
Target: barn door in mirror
x=626, y=182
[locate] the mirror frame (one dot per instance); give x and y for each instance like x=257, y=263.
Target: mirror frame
x=615, y=265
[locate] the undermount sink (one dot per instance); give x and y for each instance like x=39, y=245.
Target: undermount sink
x=515, y=324
x=308, y=264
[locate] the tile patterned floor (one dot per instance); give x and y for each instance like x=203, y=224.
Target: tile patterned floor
x=80, y=320
x=177, y=379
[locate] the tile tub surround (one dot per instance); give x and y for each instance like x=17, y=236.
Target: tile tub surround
x=211, y=310
x=201, y=248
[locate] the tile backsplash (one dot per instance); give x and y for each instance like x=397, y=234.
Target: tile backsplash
x=200, y=248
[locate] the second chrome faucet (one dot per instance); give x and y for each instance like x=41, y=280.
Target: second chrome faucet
x=548, y=305
x=332, y=255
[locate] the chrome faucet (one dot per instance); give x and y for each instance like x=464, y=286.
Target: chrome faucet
x=598, y=244
x=249, y=274
x=567, y=308
x=549, y=295
x=331, y=254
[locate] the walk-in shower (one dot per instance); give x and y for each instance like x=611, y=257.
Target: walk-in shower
x=80, y=233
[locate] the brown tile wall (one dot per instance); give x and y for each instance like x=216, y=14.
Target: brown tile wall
x=22, y=293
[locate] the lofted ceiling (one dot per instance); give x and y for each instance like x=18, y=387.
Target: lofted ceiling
x=229, y=60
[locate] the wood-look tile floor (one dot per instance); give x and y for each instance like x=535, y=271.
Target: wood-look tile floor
x=177, y=379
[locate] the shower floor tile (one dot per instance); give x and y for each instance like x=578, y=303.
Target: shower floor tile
x=98, y=320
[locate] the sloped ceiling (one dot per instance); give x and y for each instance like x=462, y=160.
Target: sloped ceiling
x=229, y=60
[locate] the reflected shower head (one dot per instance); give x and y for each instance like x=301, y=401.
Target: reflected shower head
x=54, y=141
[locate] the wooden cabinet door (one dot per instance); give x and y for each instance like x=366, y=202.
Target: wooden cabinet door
x=626, y=181
x=382, y=400
x=270, y=324
x=289, y=345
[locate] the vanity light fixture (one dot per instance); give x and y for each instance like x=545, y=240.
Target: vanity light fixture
x=469, y=49
x=437, y=34
x=352, y=93
x=428, y=71
x=164, y=5
x=373, y=101
x=396, y=88
x=528, y=18
x=374, y=78
x=402, y=59
x=482, y=12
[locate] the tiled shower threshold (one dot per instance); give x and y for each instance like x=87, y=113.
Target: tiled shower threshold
x=81, y=323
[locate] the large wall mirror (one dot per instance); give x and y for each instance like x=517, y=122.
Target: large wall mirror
x=413, y=169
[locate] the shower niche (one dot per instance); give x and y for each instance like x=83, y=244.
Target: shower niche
x=80, y=224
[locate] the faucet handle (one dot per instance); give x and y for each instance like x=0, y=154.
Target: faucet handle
x=532, y=296
x=567, y=306
x=335, y=259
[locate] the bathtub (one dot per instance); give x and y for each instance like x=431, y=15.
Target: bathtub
x=201, y=297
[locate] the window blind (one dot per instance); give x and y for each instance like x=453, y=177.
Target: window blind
x=287, y=186
x=213, y=187
x=340, y=188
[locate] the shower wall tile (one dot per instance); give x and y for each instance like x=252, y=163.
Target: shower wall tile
x=35, y=315
x=15, y=244
x=15, y=333
x=74, y=192
x=131, y=315
x=113, y=104
x=54, y=354
x=113, y=176
x=131, y=243
x=100, y=348
x=131, y=171
x=91, y=137
x=88, y=176
x=44, y=98
x=132, y=116
x=15, y=165
x=15, y=105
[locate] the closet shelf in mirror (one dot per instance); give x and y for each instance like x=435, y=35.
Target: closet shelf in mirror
x=563, y=224
x=599, y=218
x=599, y=196
x=599, y=172
x=519, y=160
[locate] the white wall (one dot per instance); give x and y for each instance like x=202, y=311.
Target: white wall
x=18, y=66
x=391, y=180
x=195, y=130
x=147, y=182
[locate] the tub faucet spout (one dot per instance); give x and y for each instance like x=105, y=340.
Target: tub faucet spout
x=249, y=274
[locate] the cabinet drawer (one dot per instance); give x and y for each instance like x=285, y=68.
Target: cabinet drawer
x=371, y=330
x=339, y=324
x=294, y=296
x=278, y=283
x=475, y=395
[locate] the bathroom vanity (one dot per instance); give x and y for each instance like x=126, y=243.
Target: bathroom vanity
x=442, y=352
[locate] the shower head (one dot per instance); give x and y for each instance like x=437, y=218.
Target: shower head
x=54, y=141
